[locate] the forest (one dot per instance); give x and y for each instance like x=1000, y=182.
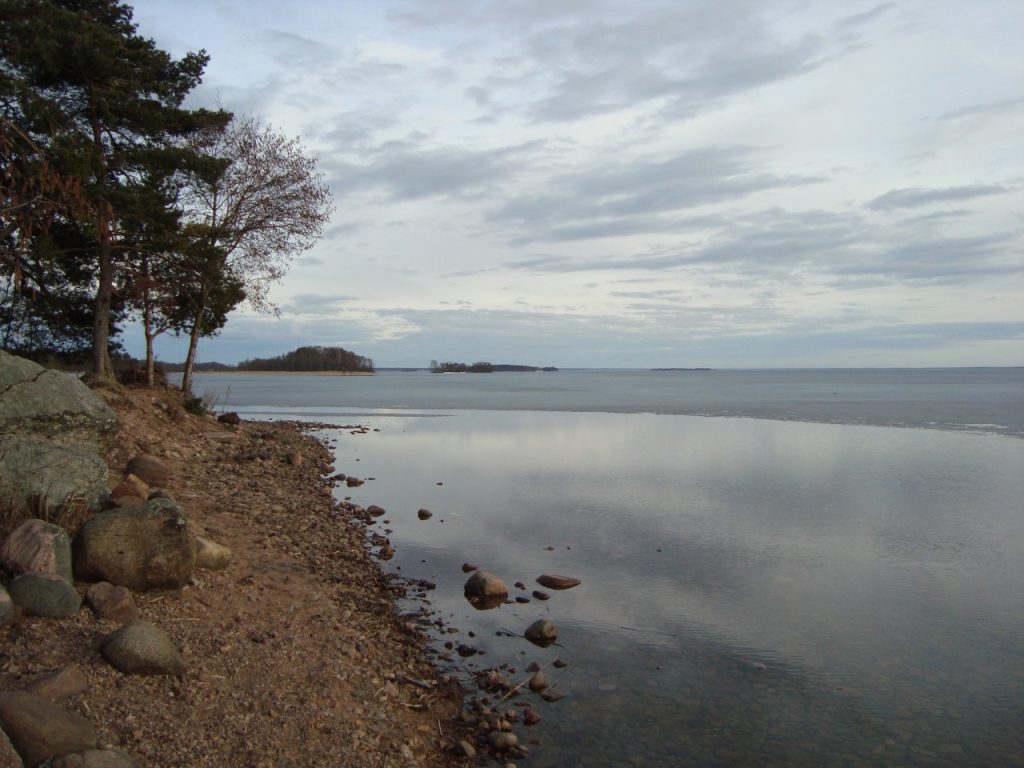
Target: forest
x=119, y=205
x=312, y=359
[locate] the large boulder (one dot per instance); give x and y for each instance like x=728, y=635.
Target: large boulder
x=141, y=648
x=45, y=403
x=144, y=547
x=42, y=477
x=45, y=594
x=8, y=757
x=37, y=546
x=40, y=729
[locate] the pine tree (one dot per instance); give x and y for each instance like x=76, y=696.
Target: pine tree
x=104, y=103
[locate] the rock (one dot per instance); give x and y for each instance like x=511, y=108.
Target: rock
x=502, y=740
x=39, y=729
x=522, y=599
x=131, y=485
x=295, y=459
x=8, y=757
x=469, y=567
x=143, y=547
x=530, y=717
x=353, y=482
x=541, y=595
x=140, y=648
x=484, y=590
x=150, y=469
x=45, y=594
x=52, y=405
x=60, y=683
x=557, y=582
x=374, y=511
x=112, y=603
x=94, y=758
x=538, y=682
x=464, y=748
x=519, y=585
x=44, y=478
x=542, y=632
x=230, y=418
x=6, y=607
x=424, y=514
x=37, y=546
x=210, y=555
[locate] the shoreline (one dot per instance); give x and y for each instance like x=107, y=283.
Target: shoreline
x=295, y=654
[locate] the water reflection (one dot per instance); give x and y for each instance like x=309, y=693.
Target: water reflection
x=754, y=593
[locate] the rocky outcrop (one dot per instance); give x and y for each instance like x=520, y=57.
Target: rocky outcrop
x=37, y=546
x=52, y=428
x=40, y=729
x=140, y=648
x=143, y=547
x=50, y=404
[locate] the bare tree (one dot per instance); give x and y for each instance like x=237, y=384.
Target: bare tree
x=251, y=213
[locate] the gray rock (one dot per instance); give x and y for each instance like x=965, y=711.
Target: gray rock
x=149, y=469
x=40, y=729
x=41, y=477
x=143, y=547
x=140, y=648
x=210, y=555
x=112, y=603
x=8, y=757
x=542, y=632
x=485, y=590
x=6, y=607
x=43, y=403
x=60, y=683
x=45, y=594
x=37, y=546
x=94, y=758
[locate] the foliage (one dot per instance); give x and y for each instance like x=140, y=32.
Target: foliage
x=450, y=367
x=249, y=217
x=312, y=359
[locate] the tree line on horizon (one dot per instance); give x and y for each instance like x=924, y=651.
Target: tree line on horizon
x=119, y=203
x=311, y=359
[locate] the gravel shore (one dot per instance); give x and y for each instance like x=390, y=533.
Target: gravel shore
x=294, y=654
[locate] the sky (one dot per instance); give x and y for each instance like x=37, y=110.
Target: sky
x=590, y=183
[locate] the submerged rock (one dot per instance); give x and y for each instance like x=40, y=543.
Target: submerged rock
x=542, y=632
x=552, y=581
x=484, y=590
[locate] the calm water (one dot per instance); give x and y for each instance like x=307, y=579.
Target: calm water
x=755, y=591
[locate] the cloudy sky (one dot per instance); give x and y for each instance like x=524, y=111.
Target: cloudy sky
x=590, y=183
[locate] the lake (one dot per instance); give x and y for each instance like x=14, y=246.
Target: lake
x=785, y=579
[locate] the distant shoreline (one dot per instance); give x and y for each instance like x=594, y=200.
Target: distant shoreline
x=283, y=373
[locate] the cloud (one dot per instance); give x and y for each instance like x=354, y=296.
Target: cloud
x=916, y=197
x=988, y=108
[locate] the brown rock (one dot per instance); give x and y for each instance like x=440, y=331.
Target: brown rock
x=530, y=717
x=210, y=555
x=424, y=514
x=541, y=595
x=37, y=546
x=469, y=567
x=150, y=469
x=143, y=547
x=557, y=582
x=60, y=683
x=112, y=603
x=230, y=418
x=353, y=482
x=39, y=729
x=295, y=459
x=131, y=486
x=542, y=632
x=484, y=590
x=538, y=682
x=374, y=511
x=8, y=757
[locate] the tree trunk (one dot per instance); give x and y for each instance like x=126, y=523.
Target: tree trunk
x=193, y=344
x=101, y=364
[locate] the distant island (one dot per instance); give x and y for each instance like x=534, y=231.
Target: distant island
x=450, y=367
x=301, y=360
